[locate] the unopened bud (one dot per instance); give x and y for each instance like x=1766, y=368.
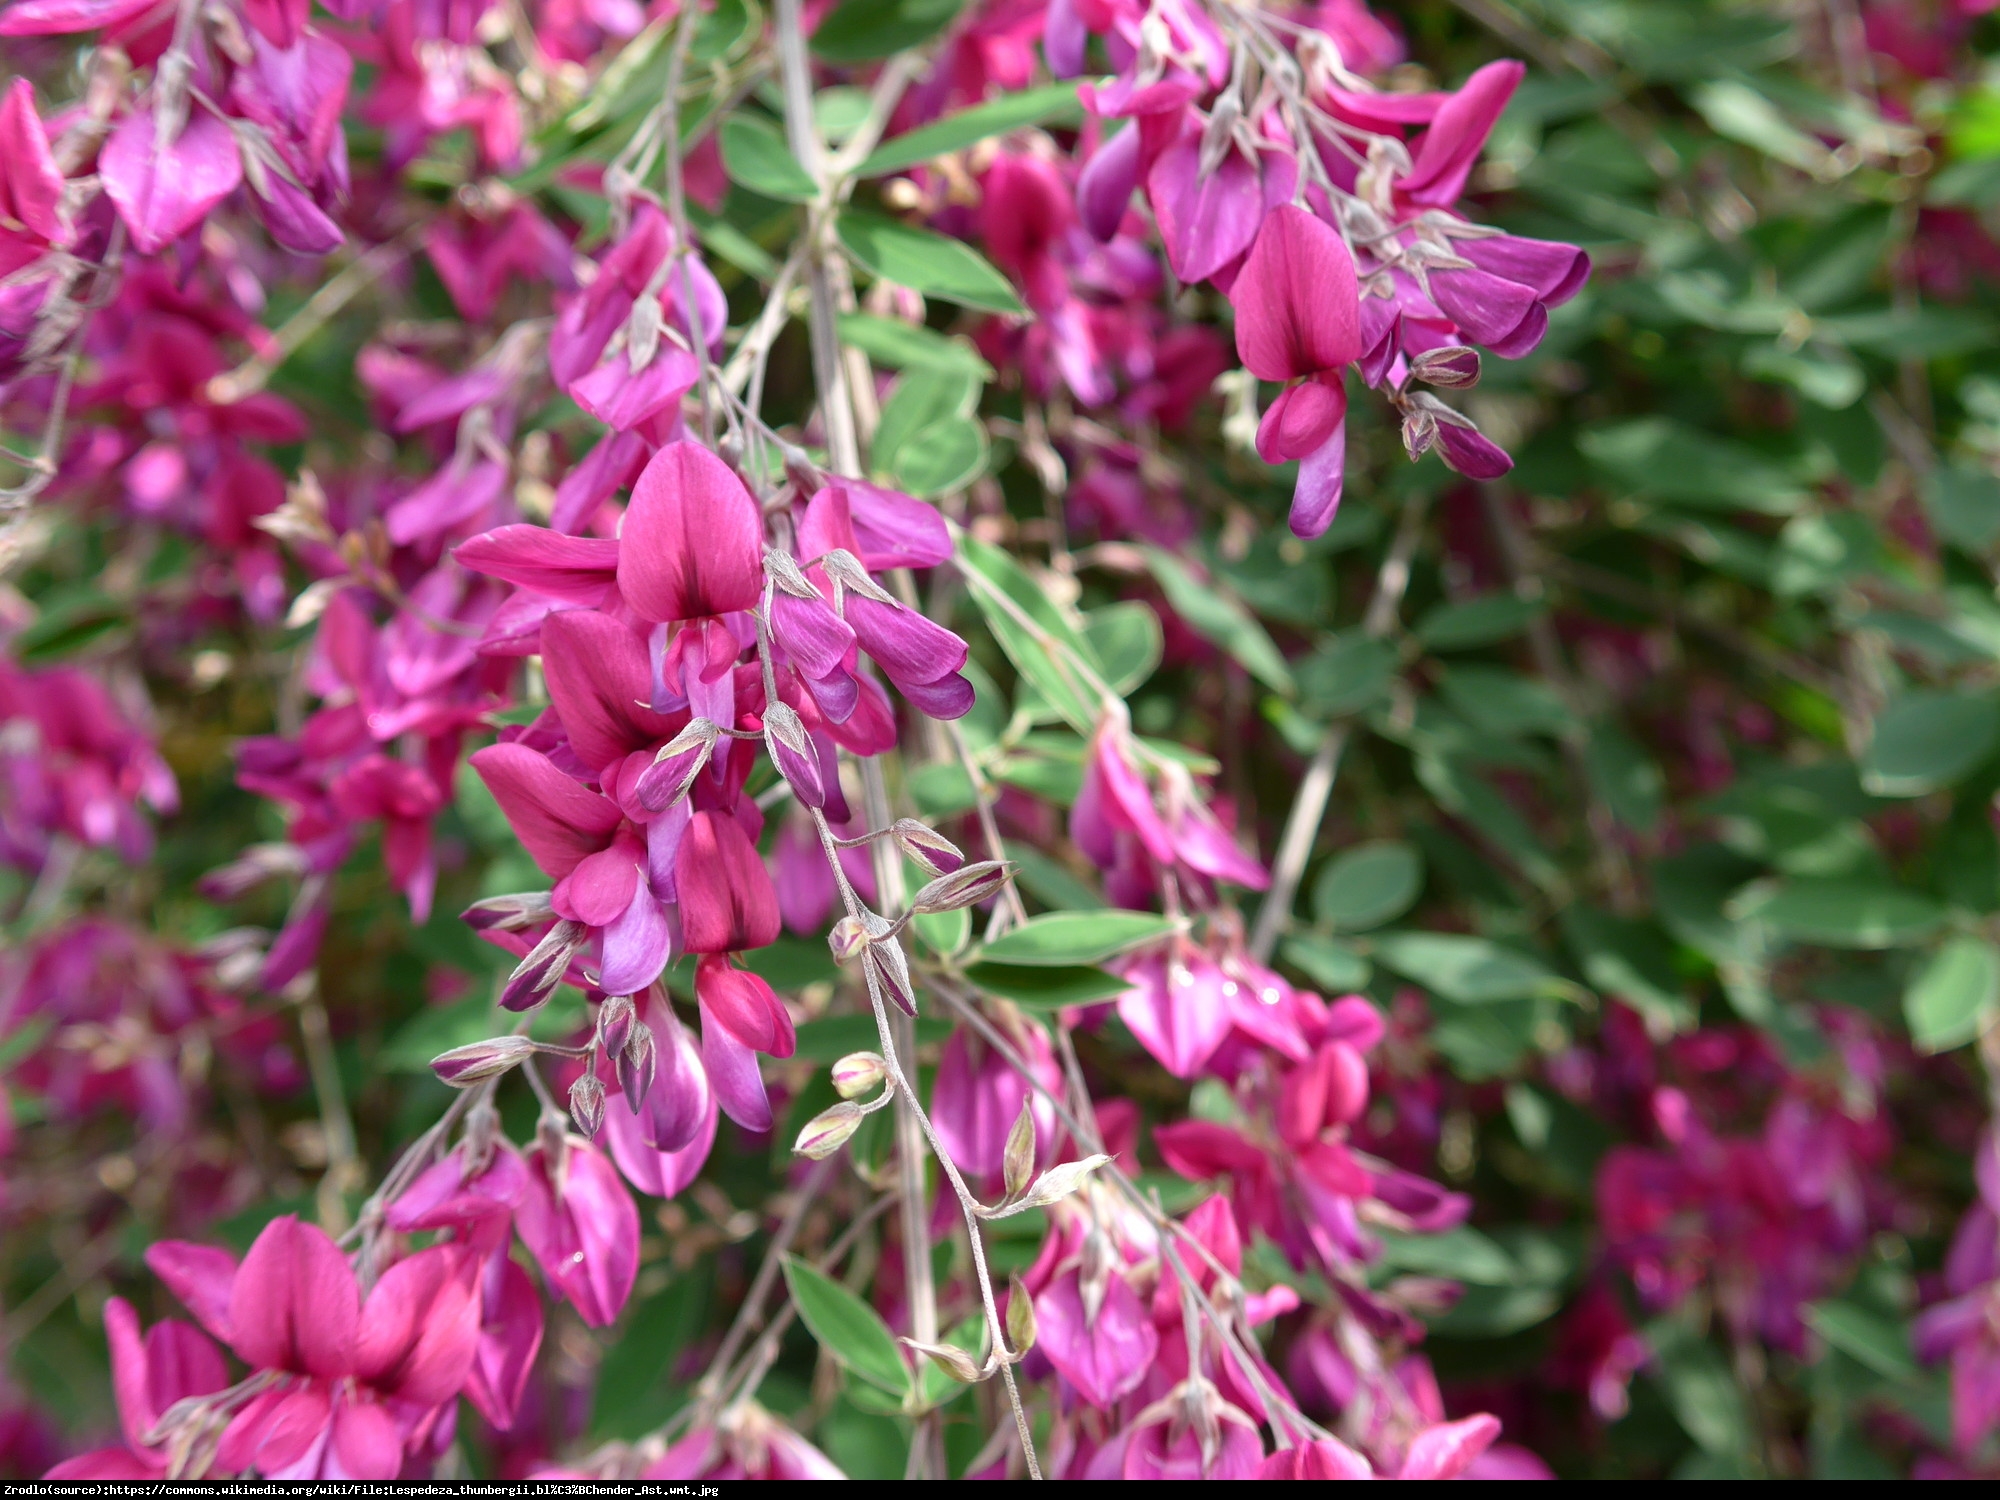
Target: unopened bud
x=534, y=979
x=674, y=769
x=927, y=846
x=586, y=1105
x=1420, y=431
x=614, y=1023
x=464, y=1066
x=859, y=1073
x=1018, y=1161
x=635, y=1062
x=1455, y=368
x=951, y=1359
x=642, y=333
x=847, y=940
x=887, y=964
x=827, y=1132
x=966, y=887
x=1059, y=1182
x=793, y=754
x=1020, y=1316
x=509, y=913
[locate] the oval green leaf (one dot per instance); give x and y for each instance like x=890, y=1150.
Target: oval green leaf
x=1047, y=988
x=1954, y=994
x=930, y=263
x=1368, y=885
x=847, y=1328
x=755, y=155
x=1076, y=937
x=1470, y=970
x=1055, y=102
x=1928, y=740
x=1841, y=913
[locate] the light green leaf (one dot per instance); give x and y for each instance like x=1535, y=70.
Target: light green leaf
x=1037, y=988
x=1326, y=962
x=1051, y=103
x=1504, y=703
x=1348, y=674
x=1705, y=1399
x=847, y=1328
x=1469, y=970
x=1222, y=619
x=1840, y=912
x=1368, y=885
x=944, y=932
x=930, y=263
x=1127, y=639
x=1874, y=1340
x=1964, y=504
x=1631, y=961
x=1053, y=657
x=919, y=401
x=1462, y=1254
x=1953, y=996
x=1926, y=740
x=1075, y=937
x=755, y=154
x=906, y=346
x=1664, y=460
x=943, y=457
x=1736, y=110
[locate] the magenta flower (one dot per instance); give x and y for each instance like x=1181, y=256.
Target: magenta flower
x=581, y=1226
x=171, y=1363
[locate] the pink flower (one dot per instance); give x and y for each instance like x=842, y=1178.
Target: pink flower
x=171, y=1363
x=581, y=1226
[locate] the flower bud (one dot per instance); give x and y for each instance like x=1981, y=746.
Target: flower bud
x=951, y=1359
x=793, y=754
x=847, y=940
x=1020, y=1316
x=464, y=1066
x=614, y=1024
x=1059, y=1182
x=966, y=887
x=674, y=769
x=1018, y=1160
x=635, y=1062
x=859, y=1073
x=926, y=846
x=827, y=1132
x=1454, y=369
x=1420, y=430
x=508, y=913
x=888, y=966
x=535, y=978
x=586, y=1105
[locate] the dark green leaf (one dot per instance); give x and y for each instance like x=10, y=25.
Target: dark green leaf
x=1470, y=970
x=1877, y=1342
x=1841, y=913
x=1326, y=962
x=1478, y=622
x=859, y=30
x=1964, y=504
x=1040, y=988
x=905, y=346
x=1926, y=740
x=1222, y=619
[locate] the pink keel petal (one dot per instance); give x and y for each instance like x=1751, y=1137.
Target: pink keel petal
x=1105, y=1358
x=1206, y=218
x=559, y=821
x=637, y=945
x=163, y=193
x=365, y=1443
x=732, y=1071
x=420, y=1328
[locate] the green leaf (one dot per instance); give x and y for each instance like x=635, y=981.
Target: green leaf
x=861, y=30
x=1047, y=988
x=1505, y=703
x=1493, y=1312
x=728, y=27
x=1926, y=740
x=1964, y=504
x=1075, y=937
x=1462, y=1254
x=1222, y=619
x=755, y=154
x=908, y=346
x=1469, y=970
x=945, y=932
x=930, y=263
x=1368, y=885
x=1326, y=962
x=1736, y=110
x=1348, y=674
x=943, y=458
x=1631, y=961
x=1478, y=622
x=831, y=1038
x=1664, y=460
x=1953, y=996
x=1625, y=777
x=1840, y=912
x=1051, y=667
x=847, y=1328
x=1127, y=639
x=1877, y=1342
x=1705, y=1398
x=918, y=402
x=1052, y=103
